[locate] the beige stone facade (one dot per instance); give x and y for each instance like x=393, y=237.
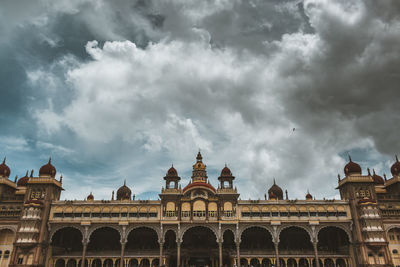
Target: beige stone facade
x=199, y=224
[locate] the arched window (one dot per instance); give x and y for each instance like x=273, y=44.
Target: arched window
x=394, y=251
x=20, y=259
x=6, y=254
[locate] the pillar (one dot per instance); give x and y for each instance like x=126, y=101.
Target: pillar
x=84, y=243
x=178, y=253
x=122, y=254
x=220, y=253
x=238, y=253
x=315, y=245
x=161, y=254
x=277, y=263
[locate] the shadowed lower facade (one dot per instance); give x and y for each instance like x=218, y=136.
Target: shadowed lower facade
x=200, y=224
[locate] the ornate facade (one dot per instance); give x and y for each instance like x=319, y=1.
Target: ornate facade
x=200, y=225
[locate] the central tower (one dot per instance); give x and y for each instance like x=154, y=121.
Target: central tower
x=199, y=173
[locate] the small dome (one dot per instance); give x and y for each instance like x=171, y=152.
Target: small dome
x=172, y=171
x=226, y=171
x=90, y=196
x=4, y=169
x=377, y=179
x=276, y=190
x=47, y=170
x=395, y=169
x=352, y=168
x=124, y=193
x=309, y=196
x=23, y=181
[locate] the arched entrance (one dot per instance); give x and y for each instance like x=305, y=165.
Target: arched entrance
x=140, y=240
x=256, y=240
x=104, y=240
x=295, y=240
x=170, y=248
x=228, y=248
x=291, y=263
x=199, y=247
x=67, y=242
x=333, y=241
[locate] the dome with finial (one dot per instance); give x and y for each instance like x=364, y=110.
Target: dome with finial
x=47, y=170
x=276, y=191
x=124, y=193
x=172, y=171
x=226, y=172
x=309, y=196
x=395, y=169
x=4, y=169
x=90, y=196
x=23, y=181
x=352, y=168
x=377, y=179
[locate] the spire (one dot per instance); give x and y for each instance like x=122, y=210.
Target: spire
x=32, y=173
x=338, y=177
x=384, y=175
x=61, y=178
x=199, y=158
x=16, y=178
x=286, y=194
x=373, y=171
x=274, y=180
x=26, y=175
x=4, y=160
x=397, y=159
x=350, y=158
x=112, y=196
x=50, y=160
x=124, y=182
x=369, y=172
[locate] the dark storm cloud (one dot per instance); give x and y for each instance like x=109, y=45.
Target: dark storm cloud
x=231, y=77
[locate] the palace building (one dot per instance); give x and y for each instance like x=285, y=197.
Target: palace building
x=199, y=224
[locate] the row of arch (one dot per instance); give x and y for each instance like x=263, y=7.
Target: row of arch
x=292, y=239
x=274, y=232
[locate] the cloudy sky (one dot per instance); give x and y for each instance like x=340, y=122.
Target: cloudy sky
x=115, y=90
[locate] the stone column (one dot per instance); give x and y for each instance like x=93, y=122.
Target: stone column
x=315, y=245
x=220, y=253
x=238, y=253
x=277, y=263
x=178, y=253
x=161, y=253
x=122, y=254
x=84, y=243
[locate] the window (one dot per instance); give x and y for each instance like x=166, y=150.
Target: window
x=20, y=259
x=6, y=254
x=394, y=251
x=391, y=237
x=362, y=193
x=1, y=253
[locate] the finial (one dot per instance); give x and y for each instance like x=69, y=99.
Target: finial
x=112, y=196
x=338, y=177
x=373, y=171
x=26, y=175
x=61, y=178
x=397, y=159
x=172, y=164
x=308, y=191
x=274, y=180
x=286, y=194
x=369, y=172
x=384, y=175
x=124, y=182
x=50, y=160
x=4, y=160
x=16, y=177
x=350, y=158
x=32, y=173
